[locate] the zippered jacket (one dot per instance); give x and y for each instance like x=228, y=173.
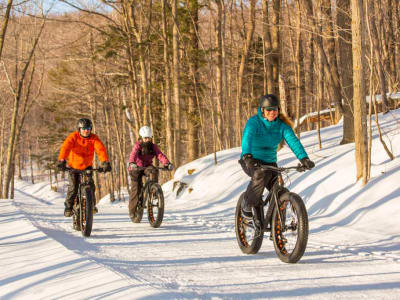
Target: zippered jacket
x=262, y=137
x=145, y=160
x=79, y=151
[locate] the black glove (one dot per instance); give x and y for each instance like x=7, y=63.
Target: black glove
x=62, y=165
x=307, y=163
x=106, y=166
x=249, y=161
x=169, y=167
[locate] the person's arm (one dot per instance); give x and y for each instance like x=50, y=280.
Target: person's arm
x=100, y=150
x=160, y=156
x=247, y=138
x=66, y=147
x=293, y=142
x=134, y=154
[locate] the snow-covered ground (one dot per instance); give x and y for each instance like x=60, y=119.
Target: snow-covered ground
x=353, y=250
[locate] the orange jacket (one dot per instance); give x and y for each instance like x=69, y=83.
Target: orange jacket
x=79, y=151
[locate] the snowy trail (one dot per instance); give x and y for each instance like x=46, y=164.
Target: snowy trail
x=353, y=248
x=197, y=257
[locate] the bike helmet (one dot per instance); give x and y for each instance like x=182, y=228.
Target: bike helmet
x=269, y=101
x=84, y=123
x=146, y=131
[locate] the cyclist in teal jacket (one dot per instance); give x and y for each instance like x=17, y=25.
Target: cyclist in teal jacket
x=261, y=137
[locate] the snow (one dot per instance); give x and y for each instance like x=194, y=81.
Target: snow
x=353, y=249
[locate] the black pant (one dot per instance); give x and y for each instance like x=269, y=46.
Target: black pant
x=260, y=179
x=73, y=189
x=137, y=184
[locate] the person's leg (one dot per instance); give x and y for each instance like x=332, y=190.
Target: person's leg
x=270, y=177
x=253, y=194
x=71, y=193
x=261, y=178
x=136, y=186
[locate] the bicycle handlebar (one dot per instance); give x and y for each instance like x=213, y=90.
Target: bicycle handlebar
x=298, y=168
x=144, y=168
x=83, y=171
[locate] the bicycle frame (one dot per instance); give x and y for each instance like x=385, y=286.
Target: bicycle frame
x=273, y=196
x=82, y=218
x=146, y=185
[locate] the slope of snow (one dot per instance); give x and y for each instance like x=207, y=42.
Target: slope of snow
x=353, y=249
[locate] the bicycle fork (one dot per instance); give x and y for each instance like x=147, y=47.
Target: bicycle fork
x=261, y=222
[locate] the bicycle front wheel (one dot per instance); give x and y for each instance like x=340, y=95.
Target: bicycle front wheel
x=155, y=205
x=290, y=234
x=86, y=211
x=249, y=238
x=138, y=214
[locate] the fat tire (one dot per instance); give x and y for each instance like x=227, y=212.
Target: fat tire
x=297, y=205
x=86, y=211
x=155, y=189
x=137, y=218
x=75, y=222
x=248, y=248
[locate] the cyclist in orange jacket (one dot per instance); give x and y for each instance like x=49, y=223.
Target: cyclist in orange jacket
x=78, y=151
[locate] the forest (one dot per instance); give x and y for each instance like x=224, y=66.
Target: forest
x=193, y=70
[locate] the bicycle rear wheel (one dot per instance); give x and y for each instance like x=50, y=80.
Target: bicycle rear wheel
x=248, y=237
x=290, y=235
x=155, y=205
x=86, y=211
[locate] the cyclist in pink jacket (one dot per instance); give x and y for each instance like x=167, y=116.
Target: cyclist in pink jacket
x=141, y=163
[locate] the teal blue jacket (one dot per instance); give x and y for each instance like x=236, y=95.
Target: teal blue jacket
x=262, y=137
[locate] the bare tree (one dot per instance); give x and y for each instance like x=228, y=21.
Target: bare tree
x=243, y=60
x=17, y=94
x=360, y=122
x=4, y=26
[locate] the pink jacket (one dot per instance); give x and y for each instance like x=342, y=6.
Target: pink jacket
x=146, y=160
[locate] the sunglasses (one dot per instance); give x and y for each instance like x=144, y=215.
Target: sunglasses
x=86, y=128
x=271, y=108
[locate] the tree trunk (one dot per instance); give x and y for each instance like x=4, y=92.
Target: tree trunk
x=274, y=59
x=17, y=93
x=193, y=48
x=4, y=26
x=299, y=68
x=169, y=130
x=360, y=124
x=176, y=82
x=243, y=61
x=31, y=163
x=377, y=52
x=219, y=32
x=346, y=63
x=2, y=149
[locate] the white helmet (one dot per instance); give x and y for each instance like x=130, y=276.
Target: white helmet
x=146, y=131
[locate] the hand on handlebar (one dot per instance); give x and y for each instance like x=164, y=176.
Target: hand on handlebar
x=62, y=165
x=307, y=163
x=105, y=167
x=169, y=167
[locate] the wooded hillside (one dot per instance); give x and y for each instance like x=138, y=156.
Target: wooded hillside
x=193, y=70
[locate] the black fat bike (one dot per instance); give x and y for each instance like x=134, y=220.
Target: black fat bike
x=152, y=198
x=283, y=214
x=82, y=210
